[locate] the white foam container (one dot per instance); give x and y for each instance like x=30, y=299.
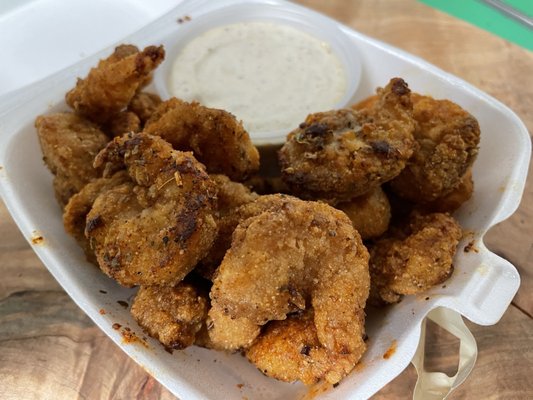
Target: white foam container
x=480, y=289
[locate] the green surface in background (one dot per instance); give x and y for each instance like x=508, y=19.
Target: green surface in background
x=480, y=14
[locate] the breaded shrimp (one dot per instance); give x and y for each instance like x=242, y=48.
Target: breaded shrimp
x=80, y=204
x=290, y=256
x=229, y=334
x=111, y=85
x=154, y=229
x=231, y=195
x=370, y=214
x=144, y=105
x=448, y=139
x=216, y=138
x=121, y=123
x=69, y=144
x=290, y=350
x=454, y=199
x=172, y=315
x=413, y=258
x=342, y=154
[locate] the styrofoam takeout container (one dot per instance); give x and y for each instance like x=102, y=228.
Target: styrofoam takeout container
x=480, y=289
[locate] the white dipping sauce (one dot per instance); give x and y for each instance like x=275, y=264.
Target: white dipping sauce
x=269, y=75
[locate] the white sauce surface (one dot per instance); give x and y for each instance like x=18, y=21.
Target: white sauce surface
x=269, y=75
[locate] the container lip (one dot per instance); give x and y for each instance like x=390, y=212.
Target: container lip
x=314, y=24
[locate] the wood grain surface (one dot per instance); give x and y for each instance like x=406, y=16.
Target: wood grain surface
x=49, y=349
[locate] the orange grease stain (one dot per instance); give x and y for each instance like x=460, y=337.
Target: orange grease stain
x=391, y=350
x=37, y=239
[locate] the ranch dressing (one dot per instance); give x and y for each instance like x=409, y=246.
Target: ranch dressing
x=269, y=75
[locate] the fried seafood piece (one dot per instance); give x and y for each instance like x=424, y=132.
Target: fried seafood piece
x=413, y=258
x=121, y=123
x=154, y=229
x=111, y=85
x=292, y=254
x=171, y=314
x=229, y=334
x=342, y=154
x=370, y=214
x=79, y=205
x=448, y=140
x=144, y=104
x=216, y=138
x=454, y=199
x=231, y=195
x=290, y=350
x=69, y=144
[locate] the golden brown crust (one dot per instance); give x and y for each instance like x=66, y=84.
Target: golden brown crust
x=370, y=214
x=216, y=138
x=291, y=255
x=172, y=315
x=121, y=123
x=448, y=139
x=455, y=199
x=338, y=155
x=154, y=229
x=231, y=195
x=413, y=258
x=80, y=204
x=69, y=144
x=144, y=104
x=226, y=333
x=290, y=350
x=111, y=85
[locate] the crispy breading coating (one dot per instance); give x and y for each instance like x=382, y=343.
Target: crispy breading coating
x=111, y=85
x=79, y=205
x=172, y=315
x=230, y=334
x=370, y=214
x=290, y=256
x=144, y=104
x=290, y=350
x=413, y=258
x=231, y=195
x=154, y=229
x=69, y=144
x=448, y=139
x=121, y=123
x=342, y=154
x=454, y=199
x=215, y=137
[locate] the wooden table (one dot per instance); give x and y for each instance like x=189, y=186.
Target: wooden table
x=50, y=349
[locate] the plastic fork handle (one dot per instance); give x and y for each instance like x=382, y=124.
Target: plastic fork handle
x=438, y=385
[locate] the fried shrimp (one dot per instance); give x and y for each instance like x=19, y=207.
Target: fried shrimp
x=144, y=105
x=216, y=138
x=290, y=255
x=413, y=258
x=231, y=195
x=370, y=214
x=454, y=199
x=154, y=229
x=448, y=140
x=111, y=85
x=121, y=123
x=80, y=204
x=290, y=350
x=172, y=315
x=339, y=155
x=69, y=144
